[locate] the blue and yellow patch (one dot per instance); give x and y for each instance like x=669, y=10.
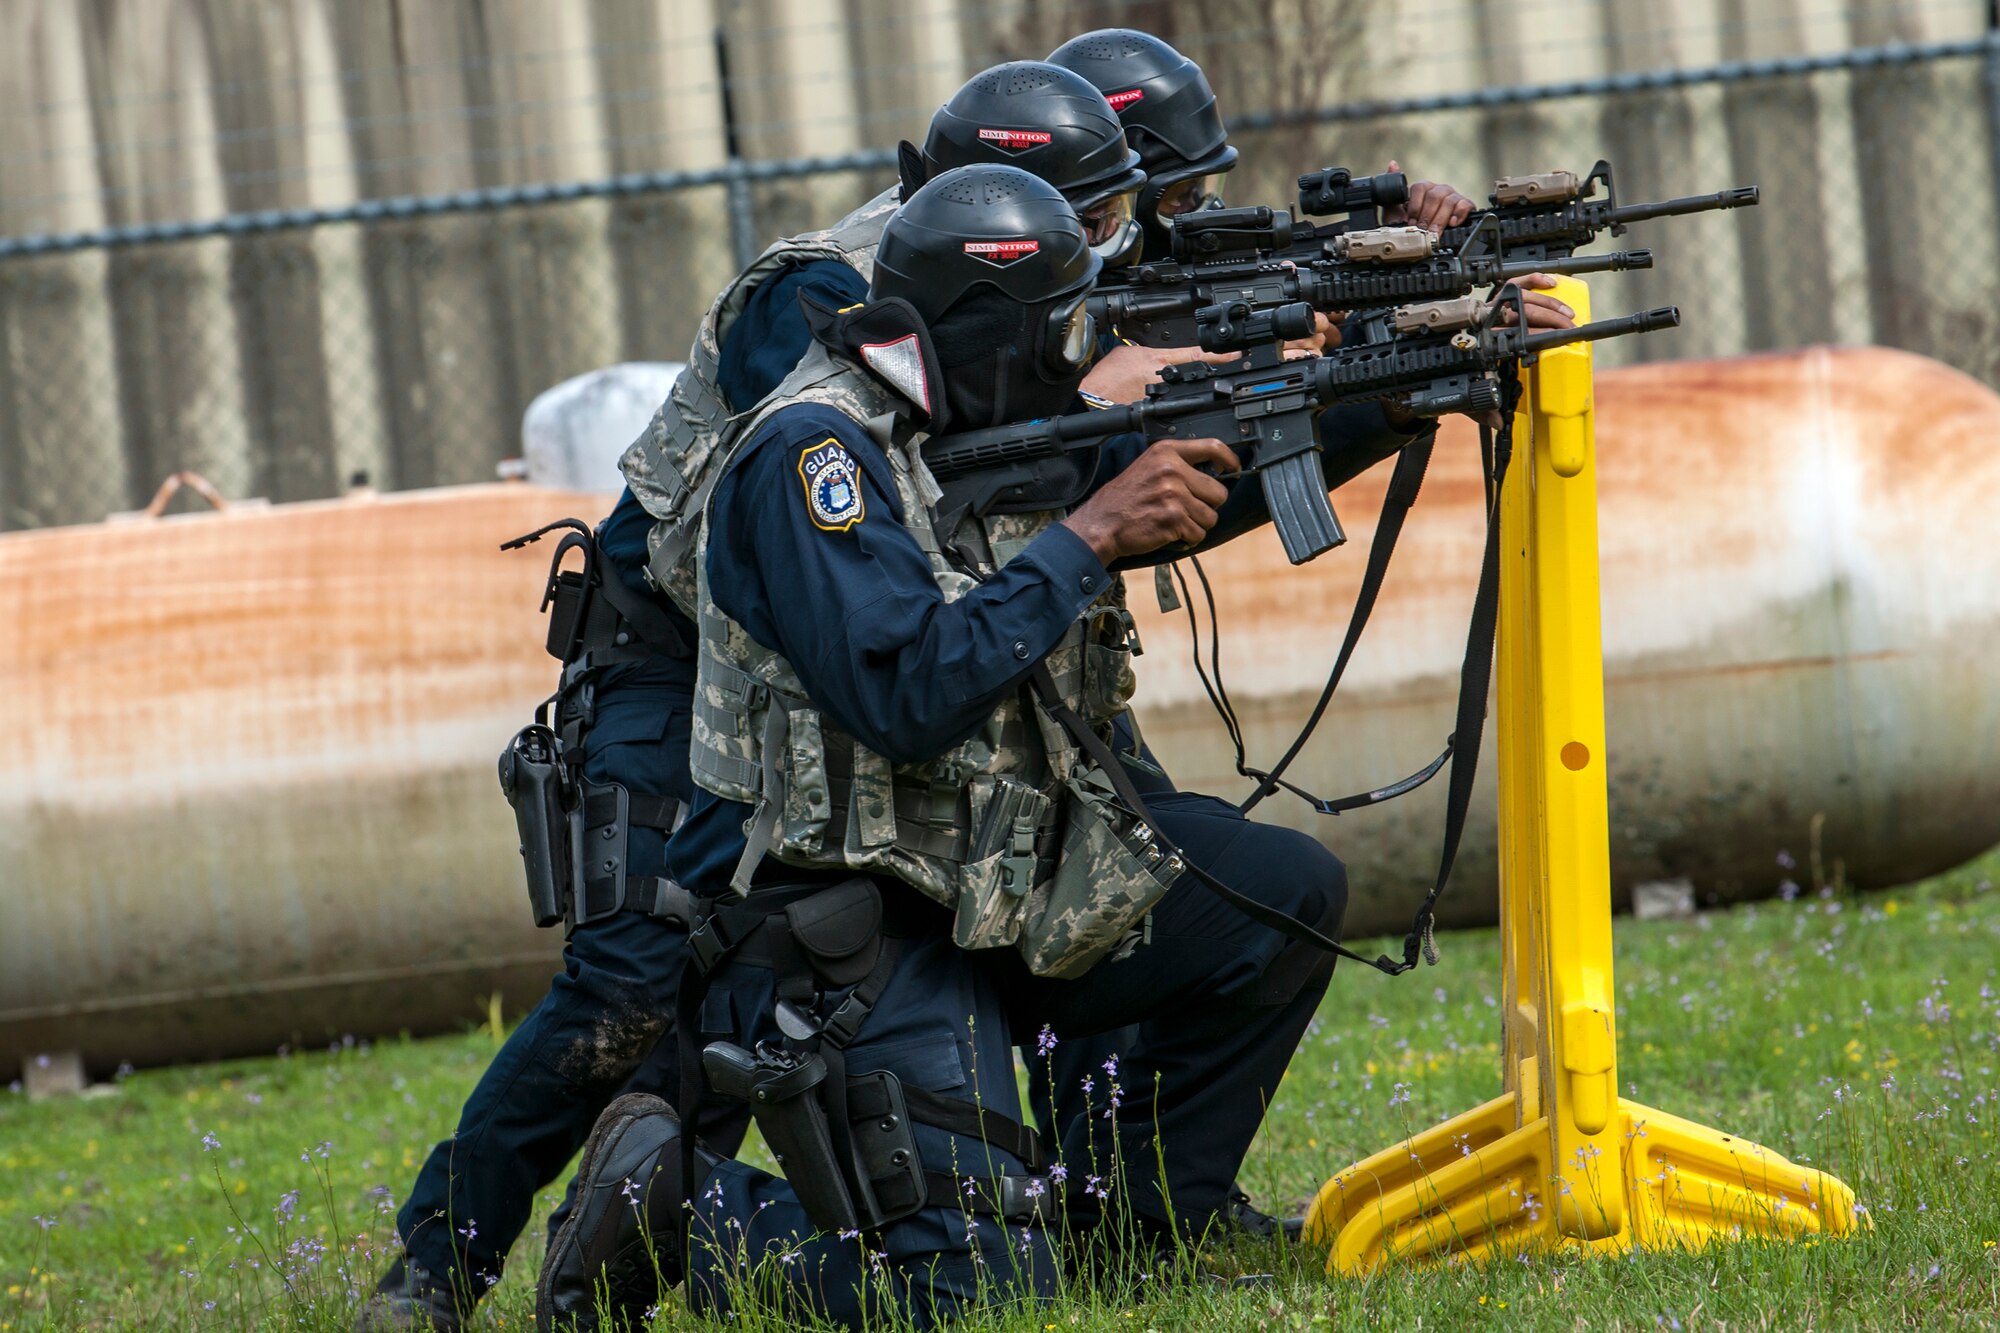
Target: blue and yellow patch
x=833, y=486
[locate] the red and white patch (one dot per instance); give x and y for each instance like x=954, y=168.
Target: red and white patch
x=1119, y=101
x=1015, y=141
x=1001, y=253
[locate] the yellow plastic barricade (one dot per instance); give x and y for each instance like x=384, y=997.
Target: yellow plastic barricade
x=1559, y=1159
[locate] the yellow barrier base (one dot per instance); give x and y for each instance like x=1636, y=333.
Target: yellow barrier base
x=1560, y=1160
x=1478, y=1188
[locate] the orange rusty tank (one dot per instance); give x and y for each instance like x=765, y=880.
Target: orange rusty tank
x=1801, y=616
x=255, y=801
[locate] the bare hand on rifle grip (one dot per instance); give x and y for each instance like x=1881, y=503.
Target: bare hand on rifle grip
x=1163, y=497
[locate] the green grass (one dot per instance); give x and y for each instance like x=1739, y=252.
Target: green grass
x=1860, y=1035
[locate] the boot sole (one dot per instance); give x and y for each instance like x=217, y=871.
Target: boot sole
x=617, y=1118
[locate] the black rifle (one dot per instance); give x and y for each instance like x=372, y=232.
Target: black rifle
x=1158, y=305
x=1550, y=215
x=1265, y=406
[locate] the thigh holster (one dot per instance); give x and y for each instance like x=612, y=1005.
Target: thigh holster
x=574, y=835
x=846, y=1139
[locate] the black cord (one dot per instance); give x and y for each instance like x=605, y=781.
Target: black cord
x=1234, y=722
x=1217, y=699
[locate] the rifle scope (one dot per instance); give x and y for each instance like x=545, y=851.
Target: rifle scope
x=1338, y=190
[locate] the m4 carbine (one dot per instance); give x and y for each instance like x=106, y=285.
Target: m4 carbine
x=1550, y=215
x=1158, y=306
x=1266, y=407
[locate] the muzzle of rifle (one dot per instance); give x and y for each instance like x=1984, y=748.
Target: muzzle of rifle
x=1743, y=196
x=1646, y=321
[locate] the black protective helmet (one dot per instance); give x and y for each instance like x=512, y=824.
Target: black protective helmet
x=1167, y=107
x=997, y=267
x=1048, y=121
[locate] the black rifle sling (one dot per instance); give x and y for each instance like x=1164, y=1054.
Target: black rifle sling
x=1404, y=484
x=1475, y=675
x=1121, y=783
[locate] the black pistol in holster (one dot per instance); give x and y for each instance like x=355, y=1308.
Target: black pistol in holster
x=574, y=832
x=877, y=1181
x=536, y=784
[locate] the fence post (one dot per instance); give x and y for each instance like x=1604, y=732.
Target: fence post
x=742, y=206
x=1990, y=76
x=1559, y=1159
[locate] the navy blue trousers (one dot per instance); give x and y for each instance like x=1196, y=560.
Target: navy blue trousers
x=938, y=1025
x=1157, y=1068
x=594, y=1035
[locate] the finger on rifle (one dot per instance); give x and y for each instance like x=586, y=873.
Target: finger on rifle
x=1532, y=281
x=1545, y=312
x=1205, y=452
x=1203, y=488
x=1197, y=517
x=1431, y=215
x=1413, y=204
x=1536, y=298
x=1461, y=209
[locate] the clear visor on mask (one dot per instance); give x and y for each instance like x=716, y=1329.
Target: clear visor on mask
x=1189, y=194
x=1108, y=225
x=1072, y=335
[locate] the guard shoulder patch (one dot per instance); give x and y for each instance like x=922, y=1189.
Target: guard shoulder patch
x=833, y=486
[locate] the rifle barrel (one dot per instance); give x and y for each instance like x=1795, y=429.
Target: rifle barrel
x=1617, y=261
x=1646, y=321
x=1743, y=196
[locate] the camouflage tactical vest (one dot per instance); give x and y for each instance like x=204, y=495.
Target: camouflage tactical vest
x=1014, y=829
x=671, y=467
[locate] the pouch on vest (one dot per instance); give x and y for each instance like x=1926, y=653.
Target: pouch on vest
x=1001, y=867
x=839, y=931
x=1108, y=679
x=1113, y=870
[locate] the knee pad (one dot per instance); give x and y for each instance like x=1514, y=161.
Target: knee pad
x=1321, y=902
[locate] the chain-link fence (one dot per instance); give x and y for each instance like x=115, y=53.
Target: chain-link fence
x=283, y=354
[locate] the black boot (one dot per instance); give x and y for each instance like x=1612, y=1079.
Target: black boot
x=1245, y=1217
x=408, y=1297
x=618, y=1256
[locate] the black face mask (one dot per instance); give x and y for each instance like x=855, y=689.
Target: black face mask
x=986, y=361
x=1006, y=362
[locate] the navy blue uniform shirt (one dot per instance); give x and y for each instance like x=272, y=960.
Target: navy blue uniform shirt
x=831, y=579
